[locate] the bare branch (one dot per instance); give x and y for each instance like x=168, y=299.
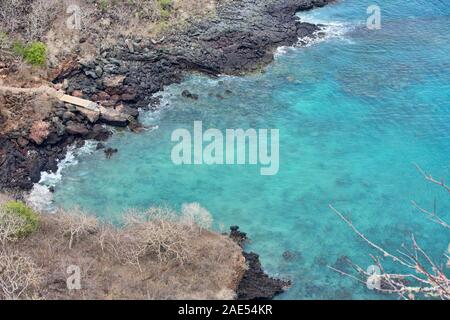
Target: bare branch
x=373, y=245
x=430, y=178
x=19, y=276
x=431, y=215
x=429, y=281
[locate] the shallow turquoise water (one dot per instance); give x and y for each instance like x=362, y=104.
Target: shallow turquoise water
x=355, y=112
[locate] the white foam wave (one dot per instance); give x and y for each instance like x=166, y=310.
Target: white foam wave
x=328, y=29
x=40, y=198
x=281, y=51
x=50, y=179
x=166, y=98
x=150, y=118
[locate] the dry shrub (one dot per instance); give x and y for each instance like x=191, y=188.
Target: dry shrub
x=31, y=19
x=157, y=254
x=148, y=10
x=3, y=198
x=19, y=276
x=156, y=233
x=5, y=43
x=422, y=276
x=75, y=226
x=105, y=16
x=142, y=9
x=188, y=8
x=448, y=261
x=39, y=131
x=193, y=214
x=41, y=16
x=11, y=14
x=213, y=270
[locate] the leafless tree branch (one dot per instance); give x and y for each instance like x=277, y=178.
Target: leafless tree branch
x=428, y=280
x=430, y=178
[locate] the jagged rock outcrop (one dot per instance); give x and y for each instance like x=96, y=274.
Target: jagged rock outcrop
x=255, y=283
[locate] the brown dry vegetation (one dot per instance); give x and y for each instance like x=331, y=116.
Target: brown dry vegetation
x=156, y=255
x=102, y=22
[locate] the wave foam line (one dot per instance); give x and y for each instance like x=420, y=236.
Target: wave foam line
x=40, y=197
x=50, y=179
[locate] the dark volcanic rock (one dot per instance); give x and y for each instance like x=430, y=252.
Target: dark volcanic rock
x=189, y=95
x=242, y=37
x=110, y=152
x=255, y=284
x=237, y=236
x=100, y=146
x=21, y=166
x=75, y=128
x=99, y=133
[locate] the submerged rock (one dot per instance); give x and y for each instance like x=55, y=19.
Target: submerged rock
x=189, y=95
x=291, y=255
x=110, y=152
x=100, y=146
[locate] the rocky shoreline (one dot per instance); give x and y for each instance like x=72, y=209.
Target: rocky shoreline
x=255, y=283
x=241, y=38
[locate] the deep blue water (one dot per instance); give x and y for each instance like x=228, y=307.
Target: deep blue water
x=355, y=112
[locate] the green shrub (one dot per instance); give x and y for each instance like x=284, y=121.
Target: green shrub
x=165, y=7
x=103, y=5
x=35, y=53
x=166, y=4
x=16, y=209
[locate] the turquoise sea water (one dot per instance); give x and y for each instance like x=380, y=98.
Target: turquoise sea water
x=355, y=112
